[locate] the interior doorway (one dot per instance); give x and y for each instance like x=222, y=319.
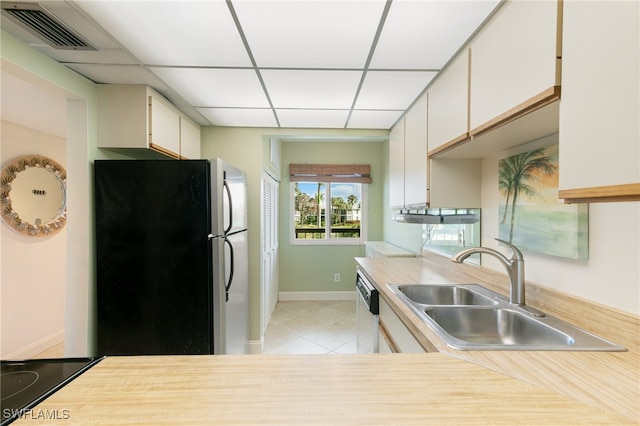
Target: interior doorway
x=45, y=281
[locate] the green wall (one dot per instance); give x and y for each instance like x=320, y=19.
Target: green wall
x=246, y=148
x=312, y=268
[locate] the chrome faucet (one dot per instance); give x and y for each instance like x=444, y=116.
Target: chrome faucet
x=514, y=266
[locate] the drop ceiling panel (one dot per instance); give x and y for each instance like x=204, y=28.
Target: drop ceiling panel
x=392, y=90
x=310, y=89
x=425, y=34
x=194, y=33
x=311, y=54
x=310, y=34
x=237, y=117
x=216, y=87
x=373, y=119
x=321, y=119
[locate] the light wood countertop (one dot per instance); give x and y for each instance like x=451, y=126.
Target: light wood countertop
x=307, y=389
x=607, y=380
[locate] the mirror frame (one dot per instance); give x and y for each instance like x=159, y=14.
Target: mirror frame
x=11, y=217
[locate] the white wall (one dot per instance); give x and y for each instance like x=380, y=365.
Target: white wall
x=611, y=275
x=33, y=268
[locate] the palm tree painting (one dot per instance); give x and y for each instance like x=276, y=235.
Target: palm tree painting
x=531, y=215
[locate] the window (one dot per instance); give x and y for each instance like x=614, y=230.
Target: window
x=328, y=212
x=328, y=204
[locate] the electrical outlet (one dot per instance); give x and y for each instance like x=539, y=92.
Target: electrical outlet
x=336, y=278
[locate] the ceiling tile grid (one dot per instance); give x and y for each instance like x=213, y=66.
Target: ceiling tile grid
x=270, y=63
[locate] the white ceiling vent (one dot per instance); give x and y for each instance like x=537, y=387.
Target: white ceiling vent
x=45, y=25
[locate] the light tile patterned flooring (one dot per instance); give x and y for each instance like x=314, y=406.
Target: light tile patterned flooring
x=312, y=327
x=298, y=327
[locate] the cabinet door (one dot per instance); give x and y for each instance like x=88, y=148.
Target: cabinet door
x=397, y=331
x=448, y=118
x=513, y=58
x=396, y=165
x=385, y=344
x=189, y=139
x=122, y=116
x=415, y=155
x=600, y=105
x=164, y=126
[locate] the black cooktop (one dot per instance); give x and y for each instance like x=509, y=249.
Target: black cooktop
x=24, y=384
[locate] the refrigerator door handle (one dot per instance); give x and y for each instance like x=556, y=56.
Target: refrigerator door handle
x=227, y=191
x=231, y=270
x=212, y=237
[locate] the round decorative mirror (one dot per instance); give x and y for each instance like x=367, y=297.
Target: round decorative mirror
x=33, y=196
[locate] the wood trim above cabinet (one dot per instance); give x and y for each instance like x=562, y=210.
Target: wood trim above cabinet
x=601, y=194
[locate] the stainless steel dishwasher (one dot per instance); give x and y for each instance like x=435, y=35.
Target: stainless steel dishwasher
x=367, y=310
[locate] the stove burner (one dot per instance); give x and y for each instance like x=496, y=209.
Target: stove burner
x=15, y=382
x=25, y=384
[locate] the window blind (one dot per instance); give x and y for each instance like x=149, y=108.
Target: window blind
x=359, y=173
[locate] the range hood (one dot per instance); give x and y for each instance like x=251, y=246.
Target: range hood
x=438, y=216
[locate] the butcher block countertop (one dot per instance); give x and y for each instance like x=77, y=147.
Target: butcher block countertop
x=398, y=389
x=605, y=380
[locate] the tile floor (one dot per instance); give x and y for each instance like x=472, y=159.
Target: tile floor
x=312, y=327
x=298, y=327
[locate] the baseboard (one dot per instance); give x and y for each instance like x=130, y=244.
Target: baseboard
x=35, y=348
x=253, y=347
x=316, y=295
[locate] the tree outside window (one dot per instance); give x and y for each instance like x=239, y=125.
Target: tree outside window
x=328, y=211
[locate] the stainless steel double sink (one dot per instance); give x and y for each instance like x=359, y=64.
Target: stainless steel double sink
x=472, y=317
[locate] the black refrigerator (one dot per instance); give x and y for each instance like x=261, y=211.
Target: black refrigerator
x=171, y=249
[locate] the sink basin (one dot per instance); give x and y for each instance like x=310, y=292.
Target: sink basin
x=472, y=317
x=444, y=295
x=496, y=327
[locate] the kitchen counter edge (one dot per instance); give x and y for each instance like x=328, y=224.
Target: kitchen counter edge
x=584, y=376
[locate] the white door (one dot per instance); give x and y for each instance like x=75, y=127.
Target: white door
x=269, y=243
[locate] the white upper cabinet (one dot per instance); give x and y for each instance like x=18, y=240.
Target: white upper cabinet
x=599, y=124
x=449, y=104
x=396, y=165
x=408, y=158
x=136, y=116
x=164, y=126
x=189, y=139
x=415, y=155
x=514, y=60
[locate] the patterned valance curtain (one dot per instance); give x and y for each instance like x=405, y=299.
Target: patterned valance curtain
x=360, y=173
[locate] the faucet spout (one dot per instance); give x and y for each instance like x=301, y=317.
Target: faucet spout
x=513, y=265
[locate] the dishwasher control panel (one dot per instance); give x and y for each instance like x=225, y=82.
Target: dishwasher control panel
x=368, y=294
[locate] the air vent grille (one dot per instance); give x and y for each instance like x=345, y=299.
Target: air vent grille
x=43, y=24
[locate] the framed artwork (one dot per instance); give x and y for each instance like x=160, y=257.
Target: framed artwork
x=531, y=215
